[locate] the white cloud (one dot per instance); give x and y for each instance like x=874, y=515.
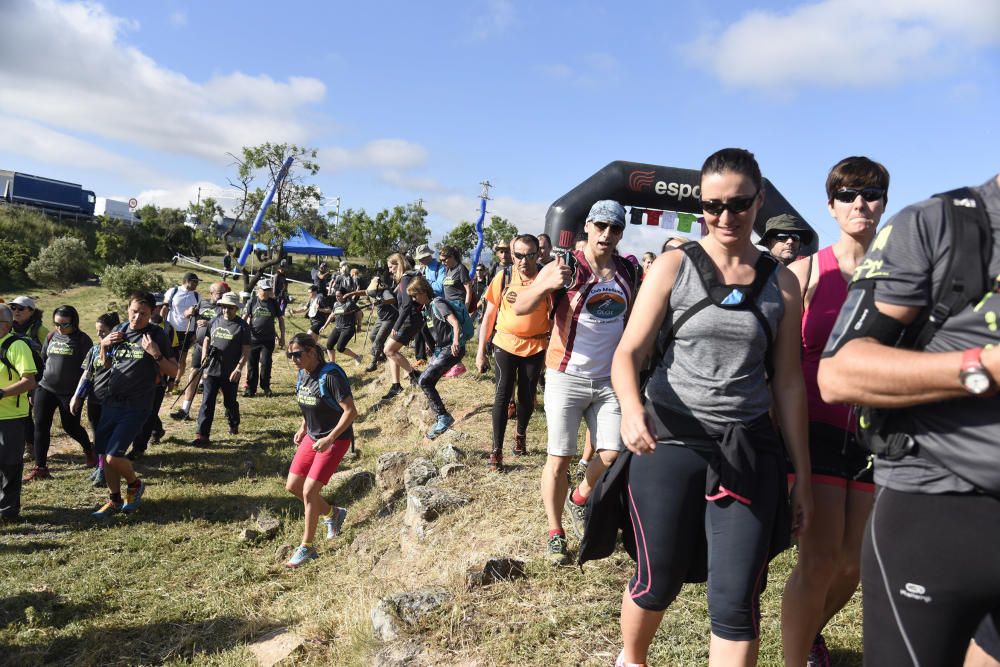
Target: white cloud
x=498, y=17
x=180, y=195
x=593, y=70
x=852, y=43
x=381, y=153
x=91, y=81
x=451, y=209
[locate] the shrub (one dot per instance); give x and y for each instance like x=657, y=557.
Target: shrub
x=123, y=280
x=62, y=263
x=14, y=257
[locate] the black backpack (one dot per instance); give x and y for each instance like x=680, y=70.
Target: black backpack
x=720, y=296
x=965, y=280
x=35, y=356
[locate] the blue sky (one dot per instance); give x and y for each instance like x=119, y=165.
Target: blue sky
x=425, y=100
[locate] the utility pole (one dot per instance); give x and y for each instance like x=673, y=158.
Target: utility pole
x=485, y=192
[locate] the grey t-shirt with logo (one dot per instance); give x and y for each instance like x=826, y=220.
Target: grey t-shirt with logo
x=907, y=261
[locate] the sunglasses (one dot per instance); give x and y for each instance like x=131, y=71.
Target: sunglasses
x=848, y=195
x=17, y=308
x=297, y=354
x=734, y=205
x=601, y=226
x=525, y=255
x=785, y=236
x=64, y=325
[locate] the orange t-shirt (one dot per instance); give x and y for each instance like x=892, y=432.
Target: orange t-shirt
x=520, y=335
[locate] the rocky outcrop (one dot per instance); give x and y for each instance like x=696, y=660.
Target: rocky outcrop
x=402, y=612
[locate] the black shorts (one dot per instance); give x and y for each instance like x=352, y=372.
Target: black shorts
x=185, y=340
x=316, y=323
x=838, y=459
x=408, y=332
x=339, y=338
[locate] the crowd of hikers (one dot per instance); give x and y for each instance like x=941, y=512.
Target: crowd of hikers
x=737, y=397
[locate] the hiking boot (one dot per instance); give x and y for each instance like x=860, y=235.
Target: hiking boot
x=511, y=410
x=107, y=510
x=234, y=430
x=335, y=523
x=556, y=551
x=200, y=441
x=394, y=391
x=156, y=436
x=440, y=426
x=372, y=366
x=133, y=496
x=99, y=481
x=249, y=394
x=496, y=462
x=268, y=393
x=819, y=654
x=135, y=454
x=576, y=514
x=37, y=473
x=90, y=458
x=414, y=377
x=520, y=444
x=301, y=556
x=180, y=414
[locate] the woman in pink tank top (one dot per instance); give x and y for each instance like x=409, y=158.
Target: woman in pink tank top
x=828, y=568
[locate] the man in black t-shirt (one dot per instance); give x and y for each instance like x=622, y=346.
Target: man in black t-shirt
x=132, y=360
x=929, y=565
x=386, y=313
x=262, y=312
x=208, y=310
x=226, y=349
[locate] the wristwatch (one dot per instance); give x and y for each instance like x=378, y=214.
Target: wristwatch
x=158, y=358
x=973, y=376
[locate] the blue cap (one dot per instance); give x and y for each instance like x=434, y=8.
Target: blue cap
x=609, y=211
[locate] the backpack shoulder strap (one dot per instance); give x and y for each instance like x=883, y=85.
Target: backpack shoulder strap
x=706, y=273
x=964, y=280
x=764, y=268
x=505, y=279
x=169, y=296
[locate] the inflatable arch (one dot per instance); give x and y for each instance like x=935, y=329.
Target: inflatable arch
x=667, y=195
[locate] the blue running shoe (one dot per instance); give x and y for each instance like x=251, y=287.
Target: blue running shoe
x=301, y=556
x=133, y=497
x=440, y=426
x=109, y=509
x=335, y=523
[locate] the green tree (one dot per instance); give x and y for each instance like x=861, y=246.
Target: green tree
x=62, y=263
x=462, y=236
x=398, y=230
x=256, y=169
x=498, y=231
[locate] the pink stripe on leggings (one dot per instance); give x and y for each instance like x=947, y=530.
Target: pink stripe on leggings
x=642, y=556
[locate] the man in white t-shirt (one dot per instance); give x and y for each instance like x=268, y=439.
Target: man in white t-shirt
x=179, y=310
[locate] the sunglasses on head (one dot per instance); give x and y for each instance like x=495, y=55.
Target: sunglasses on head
x=734, y=205
x=295, y=354
x=786, y=236
x=524, y=255
x=848, y=195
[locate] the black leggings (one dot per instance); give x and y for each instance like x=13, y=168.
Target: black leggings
x=46, y=404
x=676, y=529
x=339, y=338
x=930, y=575
x=439, y=364
x=525, y=371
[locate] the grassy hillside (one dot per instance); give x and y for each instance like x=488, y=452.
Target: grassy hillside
x=174, y=584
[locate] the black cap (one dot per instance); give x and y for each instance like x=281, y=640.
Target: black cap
x=191, y=276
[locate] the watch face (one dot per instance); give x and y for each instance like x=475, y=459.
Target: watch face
x=976, y=382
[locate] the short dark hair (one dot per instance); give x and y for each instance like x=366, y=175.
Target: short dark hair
x=110, y=320
x=857, y=172
x=450, y=251
x=144, y=298
x=736, y=160
x=546, y=237
x=529, y=239
x=420, y=284
x=69, y=311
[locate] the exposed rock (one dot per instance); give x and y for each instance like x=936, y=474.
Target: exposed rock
x=248, y=535
x=424, y=503
x=389, y=470
x=494, y=570
x=351, y=456
x=398, y=613
x=451, y=469
x=451, y=454
x=419, y=473
x=272, y=648
x=268, y=525
x=349, y=485
x=398, y=654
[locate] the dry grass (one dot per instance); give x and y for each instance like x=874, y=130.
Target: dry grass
x=173, y=584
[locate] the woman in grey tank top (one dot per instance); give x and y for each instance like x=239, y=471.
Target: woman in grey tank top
x=710, y=485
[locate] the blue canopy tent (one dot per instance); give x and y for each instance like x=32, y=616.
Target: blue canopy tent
x=304, y=243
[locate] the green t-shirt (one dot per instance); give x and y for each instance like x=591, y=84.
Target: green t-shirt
x=19, y=355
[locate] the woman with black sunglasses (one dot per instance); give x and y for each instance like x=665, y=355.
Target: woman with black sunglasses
x=706, y=481
x=829, y=563
x=63, y=354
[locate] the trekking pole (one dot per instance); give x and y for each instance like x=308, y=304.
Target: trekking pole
x=212, y=352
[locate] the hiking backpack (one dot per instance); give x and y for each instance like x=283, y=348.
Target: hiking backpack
x=964, y=283
x=465, y=325
x=35, y=356
x=324, y=392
